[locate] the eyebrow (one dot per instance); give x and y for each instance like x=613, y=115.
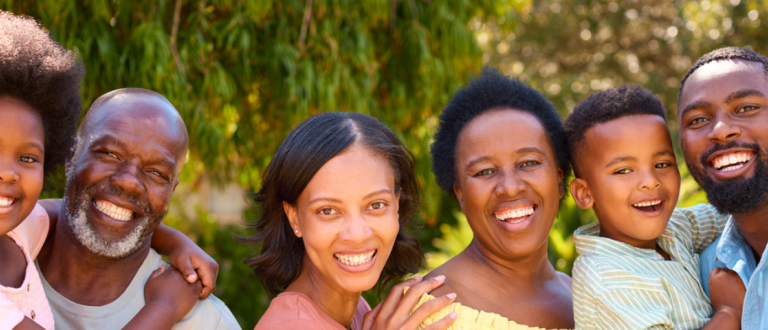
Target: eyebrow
x=628, y=158
x=34, y=145
x=696, y=105
x=520, y=151
x=336, y=200
x=742, y=93
x=111, y=140
x=162, y=161
x=618, y=160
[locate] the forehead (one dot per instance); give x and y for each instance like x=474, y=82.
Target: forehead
x=502, y=130
x=355, y=171
x=715, y=80
x=129, y=118
x=631, y=136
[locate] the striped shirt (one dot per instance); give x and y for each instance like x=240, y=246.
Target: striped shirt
x=618, y=286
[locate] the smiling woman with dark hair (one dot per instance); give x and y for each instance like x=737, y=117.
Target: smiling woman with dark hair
x=332, y=209
x=501, y=150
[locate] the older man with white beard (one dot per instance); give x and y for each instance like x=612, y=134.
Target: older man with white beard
x=129, y=152
x=723, y=116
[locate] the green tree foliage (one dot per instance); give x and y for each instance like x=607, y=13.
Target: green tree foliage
x=243, y=73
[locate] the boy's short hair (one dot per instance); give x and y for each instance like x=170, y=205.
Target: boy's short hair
x=41, y=73
x=605, y=106
x=492, y=90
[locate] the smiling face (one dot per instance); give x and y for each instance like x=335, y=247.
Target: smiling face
x=21, y=162
x=723, y=115
x=507, y=182
x=119, y=182
x=628, y=175
x=347, y=217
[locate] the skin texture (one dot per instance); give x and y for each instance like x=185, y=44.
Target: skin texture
x=135, y=171
x=724, y=102
x=714, y=111
x=624, y=162
x=504, y=161
x=338, y=215
x=22, y=150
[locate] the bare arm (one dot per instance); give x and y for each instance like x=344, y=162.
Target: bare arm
x=28, y=324
x=727, y=293
x=185, y=255
x=168, y=298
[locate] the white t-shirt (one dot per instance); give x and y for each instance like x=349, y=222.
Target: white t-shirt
x=210, y=313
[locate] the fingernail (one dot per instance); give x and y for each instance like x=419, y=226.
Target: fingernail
x=191, y=277
x=453, y=315
x=418, y=277
x=451, y=296
x=440, y=278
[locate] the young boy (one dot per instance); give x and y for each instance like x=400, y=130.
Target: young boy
x=638, y=265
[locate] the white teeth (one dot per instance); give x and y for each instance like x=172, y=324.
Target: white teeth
x=356, y=259
x=113, y=211
x=644, y=204
x=514, y=214
x=6, y=201
x=732, y=161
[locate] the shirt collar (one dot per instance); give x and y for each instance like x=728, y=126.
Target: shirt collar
x=588, y=242
x=731, y=242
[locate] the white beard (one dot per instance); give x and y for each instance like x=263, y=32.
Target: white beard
x=87, y=237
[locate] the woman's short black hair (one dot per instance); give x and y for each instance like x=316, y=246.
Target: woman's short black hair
x=41, y=73
x=306, y=149
x=492, y=90
x=607, y=105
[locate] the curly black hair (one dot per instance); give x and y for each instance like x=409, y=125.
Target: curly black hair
x=604, y=106
x=306, y=149
x=492, y=90
x=725, y=53
x=41, y=73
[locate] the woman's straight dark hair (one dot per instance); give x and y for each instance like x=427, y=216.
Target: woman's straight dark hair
x=306, y=149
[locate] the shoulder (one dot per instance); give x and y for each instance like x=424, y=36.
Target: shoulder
x=289, y=311
x=209, y=313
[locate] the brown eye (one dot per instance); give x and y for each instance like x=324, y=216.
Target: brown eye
x=327, y=211
x=377, y=205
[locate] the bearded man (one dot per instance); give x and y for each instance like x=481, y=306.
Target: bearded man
x=723, y=117
x=128, y=154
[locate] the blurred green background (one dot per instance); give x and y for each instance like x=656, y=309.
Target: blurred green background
x=243, y=73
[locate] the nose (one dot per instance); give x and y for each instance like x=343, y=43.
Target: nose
x=8, y=174
x=649, y=180
x=356, y=229
x=723, y=130
x=128, y=178
x=509, y=184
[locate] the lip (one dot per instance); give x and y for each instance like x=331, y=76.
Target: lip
x=652, y=213
x=521, y=223
x=733, y=173
x=357, y=268
x=8, y=209
x=120, y=203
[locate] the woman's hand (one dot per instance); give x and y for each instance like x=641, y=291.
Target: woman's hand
x=394, y=313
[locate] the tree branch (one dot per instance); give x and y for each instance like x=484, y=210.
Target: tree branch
x=305, y=23
x=174, y=35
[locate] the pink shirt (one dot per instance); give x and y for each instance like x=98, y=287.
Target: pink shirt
x=28, y=299
x=295, y=311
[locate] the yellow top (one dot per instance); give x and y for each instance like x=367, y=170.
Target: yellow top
x=470, y=318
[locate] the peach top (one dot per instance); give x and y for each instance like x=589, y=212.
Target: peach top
x=295, y=311
x=28, y=299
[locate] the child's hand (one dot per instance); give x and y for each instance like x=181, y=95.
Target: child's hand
x=727, y=291
x=192, y=261
x=168, y=290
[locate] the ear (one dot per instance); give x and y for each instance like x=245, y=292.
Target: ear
x=175, y=184
x=293, y=220
x=581, y=194
x=459, y=195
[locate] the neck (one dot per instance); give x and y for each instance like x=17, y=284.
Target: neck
x=527, y=271
x=340, y=305
x=754, y=227
x=81, y=276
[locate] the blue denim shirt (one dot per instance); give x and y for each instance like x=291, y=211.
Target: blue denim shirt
x=732, y=251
